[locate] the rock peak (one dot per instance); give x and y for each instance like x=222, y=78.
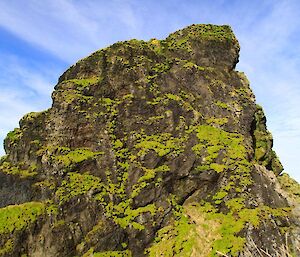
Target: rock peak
x=205, y=45
x=149, y=149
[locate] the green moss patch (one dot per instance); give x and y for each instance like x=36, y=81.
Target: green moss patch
x=213, y=142
x=7, y=248
x=222, y=105
x=162, y=144
x=125, y=253
x=225, y=229
x=83, y=83
x=176, y=239
x=263, y=142
x=291, y=186
x=10, y=169
x=77, y=184
x=216, y=121
x=125, y=216
x=18, y=217
x=223, y=151
x=182, y=40
x=76, y=156
x=14, y=136
x=91, y=253
x=68, y=157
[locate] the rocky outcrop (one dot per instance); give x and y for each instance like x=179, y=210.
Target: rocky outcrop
x=149, y=149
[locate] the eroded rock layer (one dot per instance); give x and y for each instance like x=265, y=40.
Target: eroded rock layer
x=150, y=149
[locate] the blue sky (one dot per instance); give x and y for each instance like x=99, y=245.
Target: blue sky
x=41, y=39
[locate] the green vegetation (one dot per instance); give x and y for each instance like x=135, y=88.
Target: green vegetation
x=72, y=95
x=223, y=105
x=51, y=209
x=58, y=223
x=162, y=144
x=174, y=240
x=291, y=186
x=155, y=44
x=76, y=185
x=207, y=231
x=83, y=83
x=148, y=176
x=93, y=232
x=76, y=156
x=18, y=217
x=7, y=248
x=47, y=183
x=190, y=65
x=222, y=151
x=213, y=141
x=8, y=168
x=91, y=253
x=30, y=118
x=263, y=144
x=183, y=39
x=161, y=67
x=116, y=181
x=244, y=93
x=76, y=91
x=68, y=157
x=151, y=173
x=125, y=216
x=125, y=253
x=216, y=121
x=232, y=223
x=14, y=136
x=139, y=167
x=263, y=140
x=165, y=99
x=213, y=32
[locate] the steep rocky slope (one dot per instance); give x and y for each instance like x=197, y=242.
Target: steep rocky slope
x=150, y=148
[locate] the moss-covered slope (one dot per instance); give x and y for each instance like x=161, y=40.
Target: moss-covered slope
x=150, y=148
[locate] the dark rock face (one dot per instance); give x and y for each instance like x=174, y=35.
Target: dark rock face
x=150, y=148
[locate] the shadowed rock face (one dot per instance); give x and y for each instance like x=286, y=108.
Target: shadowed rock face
x=150, y=148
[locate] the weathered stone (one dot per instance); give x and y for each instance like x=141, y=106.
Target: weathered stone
x=147, y=147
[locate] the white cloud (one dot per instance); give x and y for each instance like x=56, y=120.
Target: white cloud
x=14, y=74
x=47, y=24
x=268, y=57
x=22, y=90
x=65, y=28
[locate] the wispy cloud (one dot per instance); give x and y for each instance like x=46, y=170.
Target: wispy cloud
x=14, y=74
x=68, y=29
x=271, y=58
x=23, y=90
x=49, y=25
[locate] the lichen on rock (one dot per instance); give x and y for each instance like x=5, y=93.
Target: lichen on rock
x=153, y=148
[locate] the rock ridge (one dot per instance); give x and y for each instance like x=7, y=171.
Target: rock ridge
x=153, y=148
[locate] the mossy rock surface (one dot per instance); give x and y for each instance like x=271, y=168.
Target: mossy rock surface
x=150, y=148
